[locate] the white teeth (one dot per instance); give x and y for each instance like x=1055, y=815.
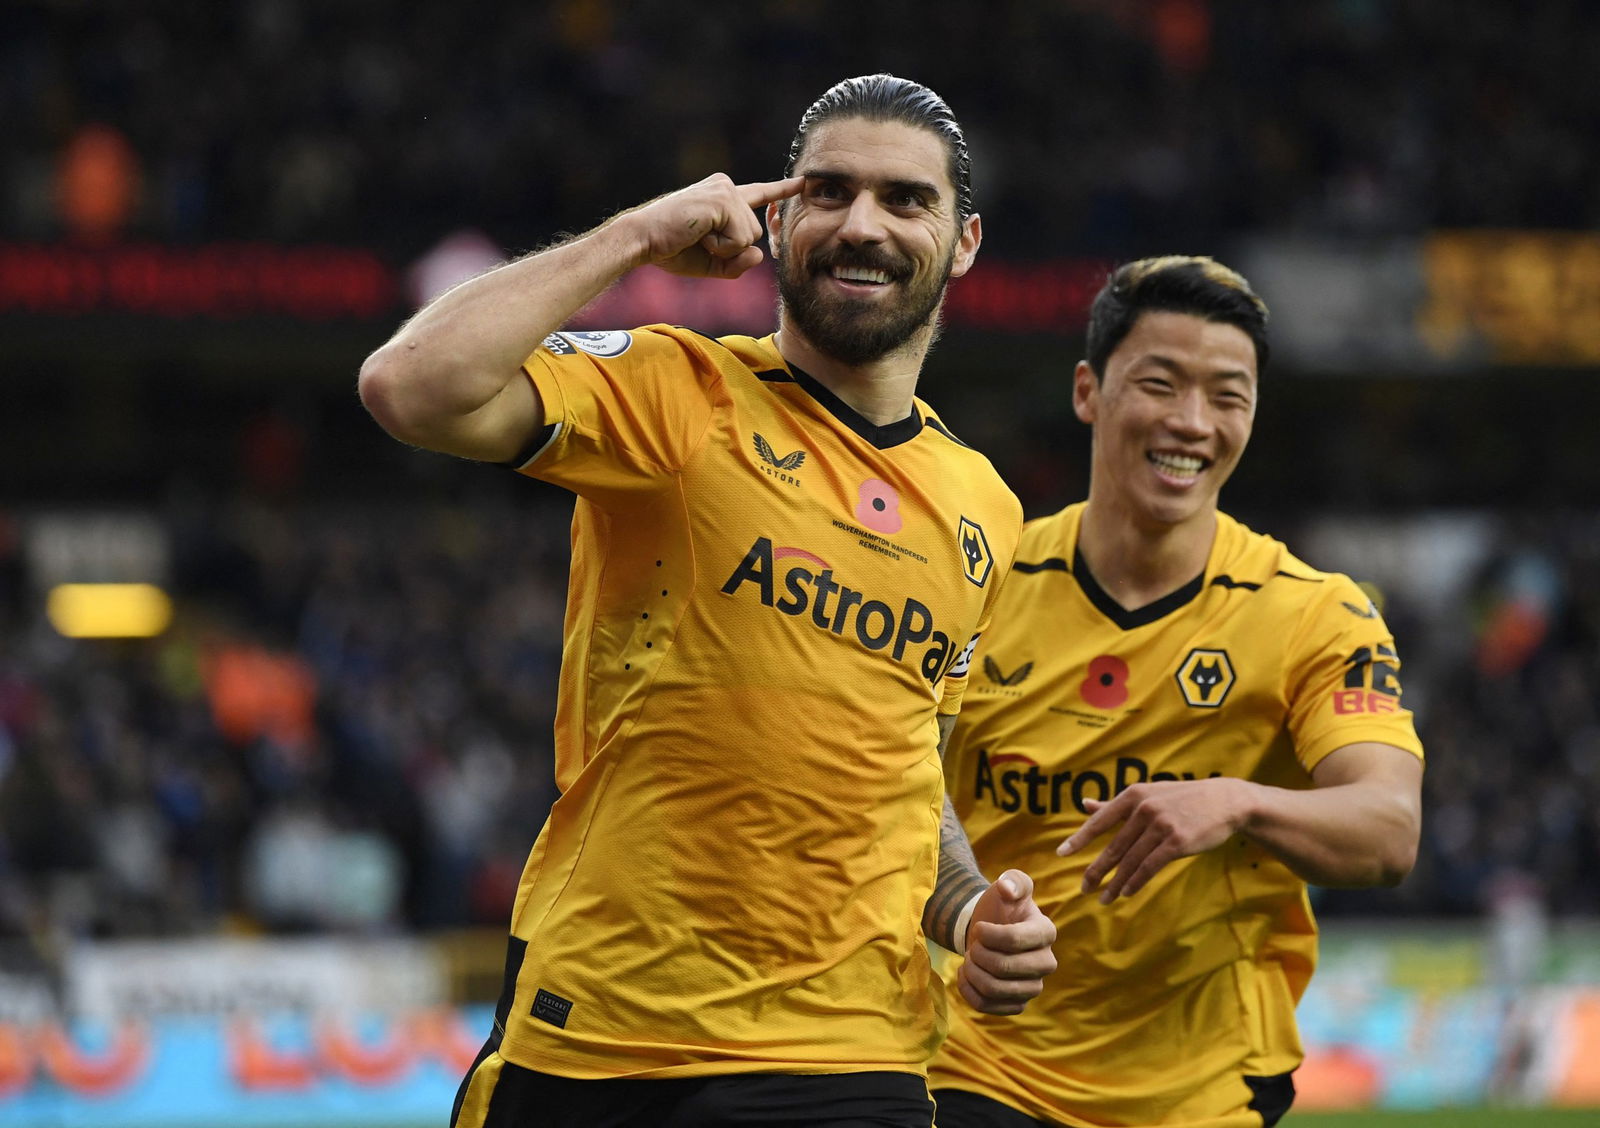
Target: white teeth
x=1183, y=465
x=859, y=274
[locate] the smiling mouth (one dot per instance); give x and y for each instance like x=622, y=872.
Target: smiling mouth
x=1177, y=465
x=860, y=275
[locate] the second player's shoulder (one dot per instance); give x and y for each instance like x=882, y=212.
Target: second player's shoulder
x=1244, y=558
x=1261, y=564
x=1054, y=534
x=1045, y=545
x=1041, y=571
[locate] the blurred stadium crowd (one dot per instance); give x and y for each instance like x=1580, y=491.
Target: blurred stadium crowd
x=349, y=729
x=349, y=725
x=1098, y=126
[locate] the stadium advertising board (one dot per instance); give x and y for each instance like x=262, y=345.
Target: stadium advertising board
x=1344, y=308
x=1365, y=1049
x=184, y=1034
x=227, y=280
x=1521, y=297
x=143, y=980
x=246, y=1071
x=1448, y=302
x=292, y=1033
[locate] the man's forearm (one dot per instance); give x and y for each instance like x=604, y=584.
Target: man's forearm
x=1359, y=826
x=959, y=881
x=1340, y=837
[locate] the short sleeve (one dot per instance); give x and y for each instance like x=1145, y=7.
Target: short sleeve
x=1345, y=678
x=624, y=410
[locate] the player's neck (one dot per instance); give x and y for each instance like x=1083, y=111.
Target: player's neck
x=880, y=391
x=1136, y=562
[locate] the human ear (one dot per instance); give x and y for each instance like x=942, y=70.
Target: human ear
x=967, y=245
x=1085, y=393
x=774, y=227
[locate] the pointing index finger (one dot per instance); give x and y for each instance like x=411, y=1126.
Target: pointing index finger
x=763, y=193
x=1092, y=828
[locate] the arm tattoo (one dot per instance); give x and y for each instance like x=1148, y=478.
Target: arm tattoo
x=959, y=877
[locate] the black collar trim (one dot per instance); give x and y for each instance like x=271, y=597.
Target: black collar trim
x=946, y=432
x=1139, y=616
x=1227, y=581
x=1048, y=564
x=889, y=435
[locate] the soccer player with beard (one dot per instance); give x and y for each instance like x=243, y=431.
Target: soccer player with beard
x=782, y=560
x=1178, y=724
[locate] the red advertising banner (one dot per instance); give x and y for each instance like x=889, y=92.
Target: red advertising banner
x=231, y=281
x=224, y=280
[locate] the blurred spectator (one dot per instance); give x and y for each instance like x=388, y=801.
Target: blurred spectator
x=1520, y=601
x=365, y=745
x=303, y=871
x=97, y=186
x=257, y=695
x=391, y=127
x=390, y=763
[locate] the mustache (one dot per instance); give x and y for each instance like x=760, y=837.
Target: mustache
x=863, y=258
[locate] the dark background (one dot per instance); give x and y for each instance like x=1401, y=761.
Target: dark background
x=411, y=603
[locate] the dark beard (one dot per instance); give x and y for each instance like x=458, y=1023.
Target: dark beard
x=858, y=332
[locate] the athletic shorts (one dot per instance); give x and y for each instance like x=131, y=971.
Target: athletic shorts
x=961, y=1109
x=499, y=1094
x=1270, y=1097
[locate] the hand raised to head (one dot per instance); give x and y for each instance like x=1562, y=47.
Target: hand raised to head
x=709, y=229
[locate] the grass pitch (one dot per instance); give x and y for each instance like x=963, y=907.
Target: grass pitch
x=1449, y=1118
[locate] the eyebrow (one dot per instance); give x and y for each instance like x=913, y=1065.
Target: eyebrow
x=923, y=188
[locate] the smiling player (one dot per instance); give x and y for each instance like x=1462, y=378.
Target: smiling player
x=781, y=561
x=1200, y=722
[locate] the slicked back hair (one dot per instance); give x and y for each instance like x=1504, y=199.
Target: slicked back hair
x=883, y=97
x=1193, y=284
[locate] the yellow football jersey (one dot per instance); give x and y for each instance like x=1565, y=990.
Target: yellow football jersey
x=1165, y=1001
x=771, y=601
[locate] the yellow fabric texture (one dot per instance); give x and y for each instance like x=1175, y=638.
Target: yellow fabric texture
x=1164, y=1001
x=766, y=613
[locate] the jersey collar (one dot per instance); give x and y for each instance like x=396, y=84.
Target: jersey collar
x=883, y=437
x=1120, y=615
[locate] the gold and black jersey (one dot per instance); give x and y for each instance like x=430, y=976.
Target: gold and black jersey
x=1257, y=669
x=771, y=601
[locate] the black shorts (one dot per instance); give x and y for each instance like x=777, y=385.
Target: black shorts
x=1270, y=1096
x=961, y=1109
x=522, y=1098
